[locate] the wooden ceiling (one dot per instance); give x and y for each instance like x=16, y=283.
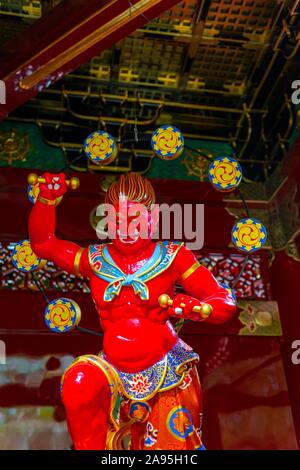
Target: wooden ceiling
x=219, y=70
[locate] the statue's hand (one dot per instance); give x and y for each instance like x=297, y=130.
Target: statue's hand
x=183, y=306
x=54, y=187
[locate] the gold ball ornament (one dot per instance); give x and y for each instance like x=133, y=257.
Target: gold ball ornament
x=206, y=310
x=165, y=301
x=32, y=178
x=74, y=183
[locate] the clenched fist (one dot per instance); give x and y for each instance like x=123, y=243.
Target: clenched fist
x=183, y=306
x=54, y=187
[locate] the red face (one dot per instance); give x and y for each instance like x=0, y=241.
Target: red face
x=132, y=227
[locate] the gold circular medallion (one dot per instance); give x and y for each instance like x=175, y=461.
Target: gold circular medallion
x=100, y=147
x=24, y=259
x=167, y=142
x=225, y=173
x=62, y=315
x=249, y=235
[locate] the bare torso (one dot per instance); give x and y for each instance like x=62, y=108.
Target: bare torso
x=137, y=332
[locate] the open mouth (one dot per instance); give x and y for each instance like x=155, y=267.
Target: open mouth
x=124, y=238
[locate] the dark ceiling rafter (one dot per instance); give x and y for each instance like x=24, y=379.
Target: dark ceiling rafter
x=219, y=70
x=76, y=31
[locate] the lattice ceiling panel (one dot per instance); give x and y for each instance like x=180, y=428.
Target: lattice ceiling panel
x=100, y=66
x=27, y=8
x=221, y=67
x=211, y=67
x=249, y=18
x=149, y=61
x=181, y=18
x=177, y=50
x=17, y=15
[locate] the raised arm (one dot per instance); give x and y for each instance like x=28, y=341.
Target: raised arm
x=42, y=222
x=199, y=283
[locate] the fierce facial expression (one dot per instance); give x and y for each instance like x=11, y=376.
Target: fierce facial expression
x=132, y=227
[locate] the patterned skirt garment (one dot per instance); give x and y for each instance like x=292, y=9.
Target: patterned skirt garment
x=157, y=408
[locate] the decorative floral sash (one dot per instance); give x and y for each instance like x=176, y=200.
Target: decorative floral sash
x=169, y=372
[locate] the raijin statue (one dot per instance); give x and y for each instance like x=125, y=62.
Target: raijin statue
x=144, y=384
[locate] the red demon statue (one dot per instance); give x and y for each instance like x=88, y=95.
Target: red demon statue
x=144, y=384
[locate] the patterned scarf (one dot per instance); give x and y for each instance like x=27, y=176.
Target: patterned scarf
x=105, y=268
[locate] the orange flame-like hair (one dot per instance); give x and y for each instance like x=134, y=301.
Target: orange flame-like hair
x=134, y=187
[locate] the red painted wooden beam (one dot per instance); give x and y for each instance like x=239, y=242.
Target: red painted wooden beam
x=68, y=36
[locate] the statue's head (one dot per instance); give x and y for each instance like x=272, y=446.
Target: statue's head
x=133, y=198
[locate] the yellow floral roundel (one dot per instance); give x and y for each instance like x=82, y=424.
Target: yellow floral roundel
x=225, y=173
x=100, y=147
x=24, y=259
x=62, y=315
x=167, y=142
x=249, y=235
